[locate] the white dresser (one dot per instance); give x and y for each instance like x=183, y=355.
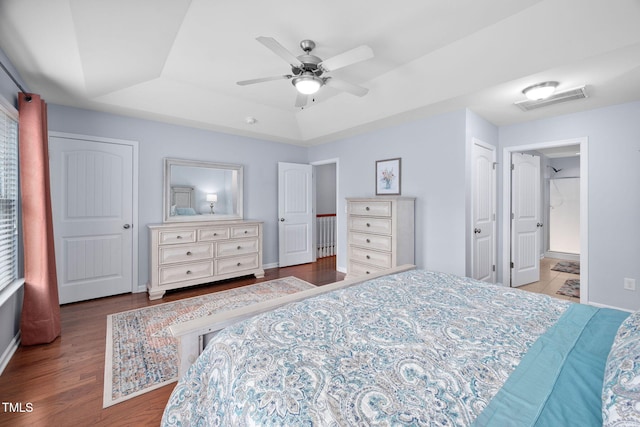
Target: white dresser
x=380, y=234
x=185, y=254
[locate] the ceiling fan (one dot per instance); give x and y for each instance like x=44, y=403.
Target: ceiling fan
x=308, y=69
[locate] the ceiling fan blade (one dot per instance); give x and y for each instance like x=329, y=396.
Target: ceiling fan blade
x=264, y=79
x=347, y=58
x=279, y=50
x=347, y=87
x=302, y=100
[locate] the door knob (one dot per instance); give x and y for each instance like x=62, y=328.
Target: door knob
x=281, y=219
x=477, y=230
x=126, y=226
x=539, y=225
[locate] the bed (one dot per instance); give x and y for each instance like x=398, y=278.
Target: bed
x=417, y=348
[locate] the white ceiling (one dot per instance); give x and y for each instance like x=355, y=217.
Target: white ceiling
x=178, y=60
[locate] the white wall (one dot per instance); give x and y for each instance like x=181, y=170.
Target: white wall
x=614, y=192
x=159, y=140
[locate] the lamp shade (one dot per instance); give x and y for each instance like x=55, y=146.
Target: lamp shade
x=212, y=197
x=540, y=91
x=307, y=83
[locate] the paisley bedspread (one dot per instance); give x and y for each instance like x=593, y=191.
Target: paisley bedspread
x=415, y=348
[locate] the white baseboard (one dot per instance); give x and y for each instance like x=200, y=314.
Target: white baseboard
x=595, y=304
x=562, y=255
x=9, y=351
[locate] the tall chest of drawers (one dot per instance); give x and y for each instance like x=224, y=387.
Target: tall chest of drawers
x=380, y=234
x=185, y=254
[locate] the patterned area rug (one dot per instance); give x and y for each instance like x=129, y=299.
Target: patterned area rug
x=567, y=267
x=570, y=288
x=141, y=354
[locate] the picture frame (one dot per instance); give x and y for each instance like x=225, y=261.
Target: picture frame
x=388, y=175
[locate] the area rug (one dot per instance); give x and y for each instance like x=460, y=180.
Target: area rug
x=567, y=267
x=142, y=355
x=570, y=288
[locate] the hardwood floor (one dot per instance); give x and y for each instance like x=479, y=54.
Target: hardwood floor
x=63, y=381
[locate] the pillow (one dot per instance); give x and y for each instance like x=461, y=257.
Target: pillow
x=185, y=211
x=621, y=386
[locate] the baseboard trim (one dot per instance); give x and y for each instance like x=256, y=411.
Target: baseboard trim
x=271, y=265
x=9, y=352
x=562, y=255
x=596, y=304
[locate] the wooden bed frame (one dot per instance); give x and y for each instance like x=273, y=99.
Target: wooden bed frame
x=193, y=334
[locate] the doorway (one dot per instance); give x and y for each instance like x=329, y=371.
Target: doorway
x=548, y=147
x=304, y=208
x=326, y=227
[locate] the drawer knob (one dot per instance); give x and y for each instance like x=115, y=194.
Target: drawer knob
x=368, y=240
x=368, y=272
x=238, y=264
x=367, y=208
x=188, y=271
x=178, y=237
x=246, y=231
x=189, y=253
x=239, y=247
x=215, y=234
x=368, y=256
x=368, y=225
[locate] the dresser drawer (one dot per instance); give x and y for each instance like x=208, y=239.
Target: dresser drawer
x=371, y=241
x=174, y=237
x=370, y=208
x=236, y=264
x=213, y=233
x=356, y=269
x=244, y=231
x=236, y=247
x=181, y=253
x=379, y=259
x=370, y=225
x=184, y=272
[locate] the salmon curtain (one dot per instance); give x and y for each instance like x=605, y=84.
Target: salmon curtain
x=40, y=322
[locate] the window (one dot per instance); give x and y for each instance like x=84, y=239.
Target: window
x=8, y=194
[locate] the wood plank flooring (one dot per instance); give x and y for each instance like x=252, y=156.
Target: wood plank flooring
x=64, y=380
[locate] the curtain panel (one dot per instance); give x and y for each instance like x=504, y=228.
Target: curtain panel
x=40, y=322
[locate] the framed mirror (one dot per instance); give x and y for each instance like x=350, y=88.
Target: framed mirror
x=201, y=191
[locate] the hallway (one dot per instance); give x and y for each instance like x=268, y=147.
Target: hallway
x=551, y=280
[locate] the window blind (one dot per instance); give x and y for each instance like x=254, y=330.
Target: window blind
x=8, y=195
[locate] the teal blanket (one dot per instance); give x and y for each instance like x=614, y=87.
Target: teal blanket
x=560, y=378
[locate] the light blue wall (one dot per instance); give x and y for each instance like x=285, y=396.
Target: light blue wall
x=159, y=140
x=614, y=192
x=433, y=171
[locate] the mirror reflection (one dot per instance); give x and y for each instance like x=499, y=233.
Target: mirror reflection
x=202, y=191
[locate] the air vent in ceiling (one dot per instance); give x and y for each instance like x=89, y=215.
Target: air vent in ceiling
x=556, y=98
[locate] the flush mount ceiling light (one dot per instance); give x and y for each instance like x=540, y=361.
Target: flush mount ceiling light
x=307, y=83
x=540, y=91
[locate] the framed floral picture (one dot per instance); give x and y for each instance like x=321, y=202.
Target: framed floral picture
x=388, y=177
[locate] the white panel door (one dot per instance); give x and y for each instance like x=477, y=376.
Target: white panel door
x=525, y=225
x=483, y=184
x=295, y=211
x=92, y=199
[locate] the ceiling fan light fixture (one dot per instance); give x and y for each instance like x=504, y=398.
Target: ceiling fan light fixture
x=540, y=91
x=307, y=83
